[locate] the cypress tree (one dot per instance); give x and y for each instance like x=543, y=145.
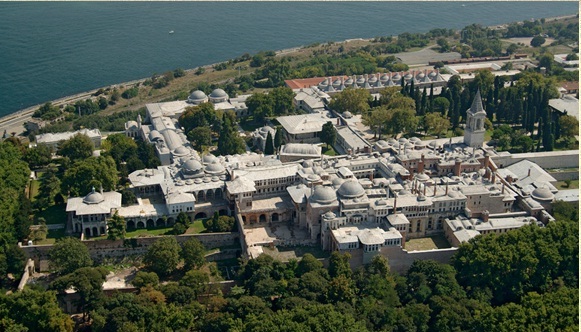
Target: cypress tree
x=278, y=139
x=431, y=104
x=424, y=102
x=490, y=103
x=268, y=146
x=417, y=99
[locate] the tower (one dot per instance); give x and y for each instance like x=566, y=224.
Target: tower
x=474, y=131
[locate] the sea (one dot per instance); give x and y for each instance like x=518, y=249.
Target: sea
x=49, y=50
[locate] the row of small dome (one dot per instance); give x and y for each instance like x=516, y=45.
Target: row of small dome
x=198, y=96
x=383, y=78
x=213, y=166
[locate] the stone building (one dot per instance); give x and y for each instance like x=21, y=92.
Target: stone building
x=89, y=214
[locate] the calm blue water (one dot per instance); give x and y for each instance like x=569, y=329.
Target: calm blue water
x=54, y=49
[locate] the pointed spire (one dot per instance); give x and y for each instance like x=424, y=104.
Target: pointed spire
x=476, y=106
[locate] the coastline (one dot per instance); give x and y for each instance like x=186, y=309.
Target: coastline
x=13, y=123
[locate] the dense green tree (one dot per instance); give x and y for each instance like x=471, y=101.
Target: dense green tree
x=163, y=256
x=260, y=105
x=116, y=227
x=200, y=137
x=282, y=100
x=355, y=101
x=308, y=263
x=230, y=142
x=87, y=282
x=33, y=310
x=197, y=280
x=202, y=115
x=38, y=156
x=92, y=172
x=339, y=265
x=69, y=254
x=329, y=134
x=569, y=126
x=193, y=252
x=144, y=279
x=537, y=41
x=78, y=147
x=436, y=123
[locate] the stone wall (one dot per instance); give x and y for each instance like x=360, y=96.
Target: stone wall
x=568, y=175
x=550, y=159
x=101, y=249
x=400, y=259
x=28, y=271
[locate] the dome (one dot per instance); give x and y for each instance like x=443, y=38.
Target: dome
x=347, y=115
x=421, y=75
x=323, y=195
x=543, y=194
x=453, y=194
x=313, y=177
x=384, y=78
x=329, y=215
x=337, y=82
x=132, y=124
x=93, y=198
x=197, y=95
x=408, y=76
x=403, y=140
x=323, y=83
x=337, y=182
x=307, y=163
x=209, y=158
x=351, y=189
x=361, y=80
x=372, y=79
x=432, y=74
x=415, y=139
x=191, y=166
x=382, y=143
x=218, y=93
x=349, y=81
x=181, y=150
x=215, y=167
x=381, y=202
x=396, y=77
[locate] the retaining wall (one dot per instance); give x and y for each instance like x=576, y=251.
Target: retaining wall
x=100, y=249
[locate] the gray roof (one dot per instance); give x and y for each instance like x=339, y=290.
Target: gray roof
x=351, y=189
x=476, y=106
x=97, y=204
x=324, y=195
x=567, y=105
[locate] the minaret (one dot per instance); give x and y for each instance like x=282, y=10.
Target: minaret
x=475, y=116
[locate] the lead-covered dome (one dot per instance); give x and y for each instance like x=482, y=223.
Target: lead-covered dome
x=542, y=194
x=215, y=168
x=197, y=97
x=93, y=198
x=218, y=93
x=323, y=195
x=191, y=166
x=351, y=189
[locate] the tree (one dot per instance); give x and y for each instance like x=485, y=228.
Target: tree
x=339, y=265
x=77, y=147
x=163, y=256
x=376, y=119
x=92, y=172
x=200, y=137
x=268, y=146
x=569, y=126
x=444, y=45
x=144, y=279
x=525, y=143
x=329, y=134
x=260, y=105
x=116, y=227
x=537, y=41
x=196, y=280
x=278, y=140
x=193, y=253
x=355, y=101
x=38, y=156
x=87, y=283
x=282, y=100
x=33, y=310
x=402, y=120
x=230, y=142
x=441, y=105
x=437, y=123
x=308, y=263
x=69, y=254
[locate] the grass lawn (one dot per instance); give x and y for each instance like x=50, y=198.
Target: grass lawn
x=329, y=151
x=427, y=243
x=34, y=185
x=196, y=227
x=145, y=232
x=54, y=215
x=52, y=236
x=562, y=185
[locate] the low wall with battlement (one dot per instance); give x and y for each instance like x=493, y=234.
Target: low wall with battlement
x=400, y=259
x=101, y=249
x=549, y=159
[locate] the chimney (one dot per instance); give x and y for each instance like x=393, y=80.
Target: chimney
x=338, y=121
x=485, y=215
x=529, y=173
x=421, y=164
x=446, y=187
x=434, y=190
x=503, y=187
x=394, y=202
x=493, y=178
x=424, y=189
x=101, y=189
x=457, y=167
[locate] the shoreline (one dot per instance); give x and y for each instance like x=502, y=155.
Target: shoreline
x=25, y=114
